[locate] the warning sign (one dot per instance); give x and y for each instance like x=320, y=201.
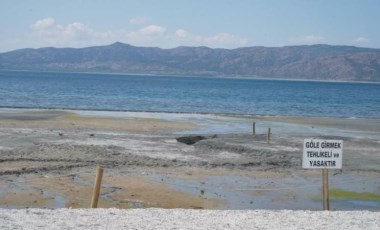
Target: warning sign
x=322, y=154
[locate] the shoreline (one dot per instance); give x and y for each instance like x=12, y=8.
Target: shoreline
x=186, y=113
x=207, y=123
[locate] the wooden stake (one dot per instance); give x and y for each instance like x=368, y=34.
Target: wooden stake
x=98, y=182
x=325, y=181
x=268, y=136
x=254, y=128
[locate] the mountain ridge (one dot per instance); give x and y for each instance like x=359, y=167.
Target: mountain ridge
x=306, y=62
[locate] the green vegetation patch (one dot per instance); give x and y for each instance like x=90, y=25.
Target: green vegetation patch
x=347, y=195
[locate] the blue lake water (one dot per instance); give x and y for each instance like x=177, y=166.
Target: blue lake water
x=187, y=94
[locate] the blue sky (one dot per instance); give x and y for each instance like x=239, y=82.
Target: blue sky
x=172, y=23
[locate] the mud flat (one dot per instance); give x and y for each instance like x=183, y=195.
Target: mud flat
x=48, y=159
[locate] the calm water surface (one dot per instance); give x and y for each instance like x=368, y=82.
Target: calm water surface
x=187, y=94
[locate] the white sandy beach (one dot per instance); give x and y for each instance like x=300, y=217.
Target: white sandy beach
x=185, y=219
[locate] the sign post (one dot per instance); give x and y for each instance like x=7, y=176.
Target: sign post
x=325, y=182
x=323, y=154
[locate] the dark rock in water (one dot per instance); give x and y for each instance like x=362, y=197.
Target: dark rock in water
x=190, y=140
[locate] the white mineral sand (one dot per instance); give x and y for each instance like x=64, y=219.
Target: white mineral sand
x=185, y=219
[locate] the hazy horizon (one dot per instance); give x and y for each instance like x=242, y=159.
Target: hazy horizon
x=169, y=24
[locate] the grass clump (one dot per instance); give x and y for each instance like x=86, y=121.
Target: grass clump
x=340, y=194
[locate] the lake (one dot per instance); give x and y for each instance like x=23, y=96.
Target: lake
x=96, y=91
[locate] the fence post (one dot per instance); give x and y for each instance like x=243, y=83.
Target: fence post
x=268, y=136
x=254, y=128
x=98, y=182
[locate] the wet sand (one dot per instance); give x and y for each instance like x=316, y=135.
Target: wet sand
x=48, y=159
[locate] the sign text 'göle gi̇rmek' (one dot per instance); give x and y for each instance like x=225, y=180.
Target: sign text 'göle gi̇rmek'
x=322, y=154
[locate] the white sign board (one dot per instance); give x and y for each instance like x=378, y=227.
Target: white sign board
x=322, y=154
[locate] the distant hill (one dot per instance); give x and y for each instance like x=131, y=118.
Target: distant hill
x=315, y=62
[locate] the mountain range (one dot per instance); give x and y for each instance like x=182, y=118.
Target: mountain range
x=312, y=62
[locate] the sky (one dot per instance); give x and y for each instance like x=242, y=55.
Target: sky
x=171, y=23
